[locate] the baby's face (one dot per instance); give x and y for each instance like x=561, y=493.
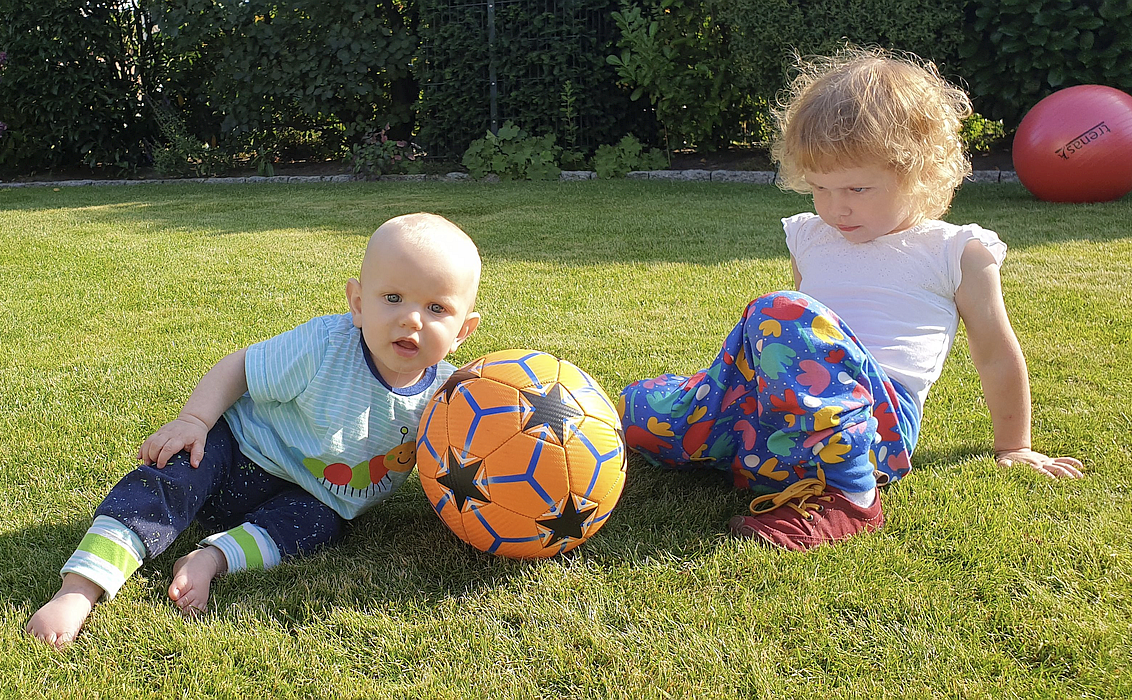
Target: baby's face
x=863, y=203
x=414, y=306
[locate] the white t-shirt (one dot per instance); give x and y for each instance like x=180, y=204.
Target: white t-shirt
x=896, y=293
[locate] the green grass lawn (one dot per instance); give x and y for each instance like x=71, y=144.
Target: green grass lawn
x=983, y=583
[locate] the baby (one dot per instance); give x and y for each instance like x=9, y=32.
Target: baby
x=280, y=443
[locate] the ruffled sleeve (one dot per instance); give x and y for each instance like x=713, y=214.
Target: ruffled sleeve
x=965, y=234
x=793, y=226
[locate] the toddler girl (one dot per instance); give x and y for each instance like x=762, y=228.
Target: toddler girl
x=816, y=397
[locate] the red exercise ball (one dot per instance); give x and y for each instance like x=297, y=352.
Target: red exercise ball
x=1076, y=145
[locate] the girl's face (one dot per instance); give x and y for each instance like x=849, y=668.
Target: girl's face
x=863, y=203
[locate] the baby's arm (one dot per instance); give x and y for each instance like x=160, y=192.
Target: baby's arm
x=1001, y=366
x=216, y=391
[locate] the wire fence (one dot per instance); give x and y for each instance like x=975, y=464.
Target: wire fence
x=538, y=63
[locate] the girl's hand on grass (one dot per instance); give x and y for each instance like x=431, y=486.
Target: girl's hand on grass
x=180, y=434
x=1056, y=467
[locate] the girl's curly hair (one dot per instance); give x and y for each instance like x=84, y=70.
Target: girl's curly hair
x=869, y=105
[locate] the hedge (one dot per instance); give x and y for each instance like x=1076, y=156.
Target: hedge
x=81, y=81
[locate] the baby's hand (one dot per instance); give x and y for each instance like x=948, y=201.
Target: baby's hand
x=181, y=433
x=1056, y=467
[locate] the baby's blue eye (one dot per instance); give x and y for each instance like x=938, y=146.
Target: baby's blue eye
x=393, y=298
x=858, y=189
x=436, y=308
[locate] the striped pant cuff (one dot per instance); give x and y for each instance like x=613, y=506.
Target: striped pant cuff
x=107, y=555
x=246, y=547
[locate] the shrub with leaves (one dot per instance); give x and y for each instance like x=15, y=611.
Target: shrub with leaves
x=763, y=36
x=70, y=83
x=378, y=155
x=572, y=157
x=626, y=156
x=536, y=49
x=1016, y=52
x=980, y=133
x=266, y=67
x=513, y=155
x=676, y=55
x=183, y=155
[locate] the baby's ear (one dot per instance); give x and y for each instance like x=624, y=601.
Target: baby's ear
x=470, y=325
x=354, y=299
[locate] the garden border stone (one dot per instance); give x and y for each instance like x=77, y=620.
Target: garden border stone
x=760, y=177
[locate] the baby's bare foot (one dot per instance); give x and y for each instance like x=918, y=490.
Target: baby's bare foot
x=192, y=576
x=61, y=618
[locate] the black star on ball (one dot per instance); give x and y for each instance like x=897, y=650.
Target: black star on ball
x=461, y=481
x=454, y=380
x=568, y=525
x=551, y=410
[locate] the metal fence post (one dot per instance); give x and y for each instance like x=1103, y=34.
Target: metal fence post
x=491, y=65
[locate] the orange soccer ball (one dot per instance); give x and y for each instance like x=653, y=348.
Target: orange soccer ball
x=521, y=454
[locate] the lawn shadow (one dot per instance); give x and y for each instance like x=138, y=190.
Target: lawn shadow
x=666, y=514
x=34, y=555
x=575, y=224
x=928, y=459
x=32, y=558
x=402, y=555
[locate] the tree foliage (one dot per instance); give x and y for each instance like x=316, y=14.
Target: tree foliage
x=255, y=67
x=675, y=52
x=85, y=81
x=71, y=83
x=1016, y=52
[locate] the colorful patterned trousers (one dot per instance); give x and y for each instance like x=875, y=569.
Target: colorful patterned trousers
x=791, y=392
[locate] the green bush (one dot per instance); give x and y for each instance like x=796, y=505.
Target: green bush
x=260, y=78
x=676, y=53
x=71, y=80
x=311, y=144
x=1018, y=51
x=765, y=34
x=513, y=155
x=250, y=72
x=378, y=154
x=980, y=133
x=184, y=155
x=626, y=156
